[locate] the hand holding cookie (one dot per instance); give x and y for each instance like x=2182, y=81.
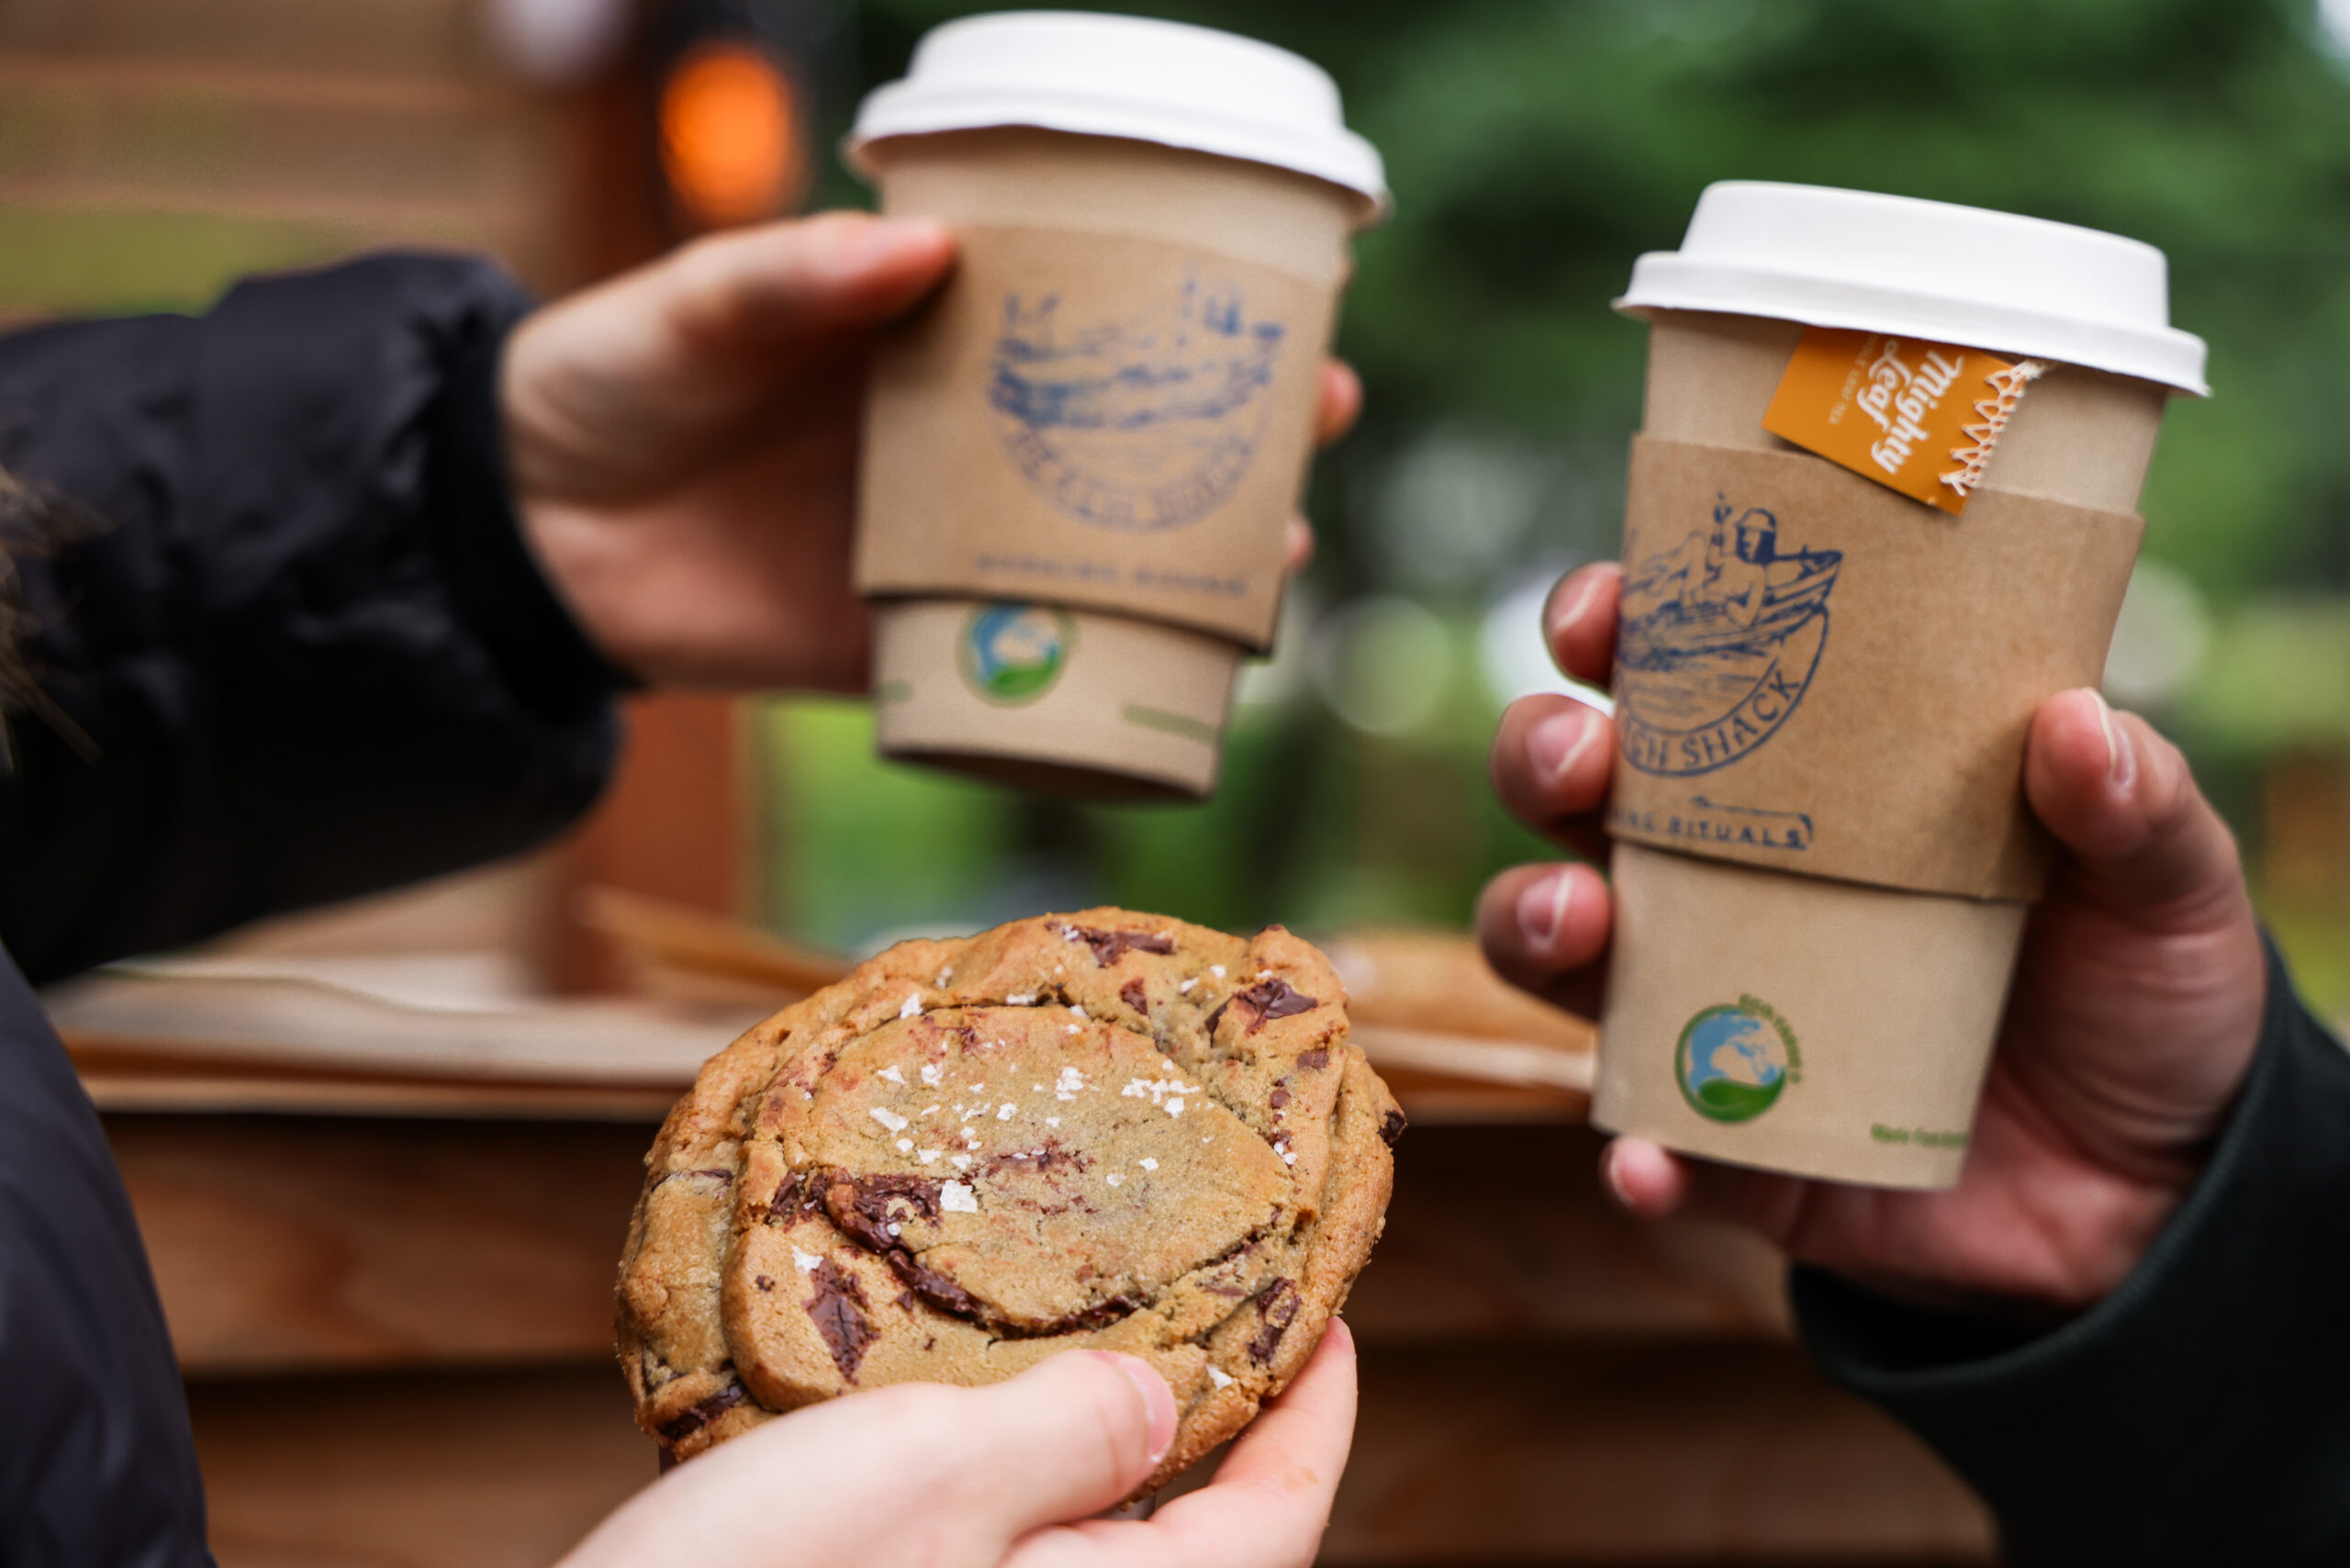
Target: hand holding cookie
x=1103, y=1131
x=989, y=1478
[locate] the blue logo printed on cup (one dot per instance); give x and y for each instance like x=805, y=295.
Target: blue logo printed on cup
x=1733, y=1062
x=1139, y=424
x=1721, y=635
x=1011, y=653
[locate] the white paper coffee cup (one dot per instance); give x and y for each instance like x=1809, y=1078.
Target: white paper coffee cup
x=1109, y=410
x=1826, y=1027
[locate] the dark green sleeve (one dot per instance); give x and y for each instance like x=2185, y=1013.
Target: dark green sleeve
x=2200, y=1415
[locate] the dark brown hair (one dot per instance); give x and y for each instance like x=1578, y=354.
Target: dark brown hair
x=33, y=526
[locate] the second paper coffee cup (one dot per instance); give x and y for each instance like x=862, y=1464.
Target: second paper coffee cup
x=1083, y=454
x=1823, y=859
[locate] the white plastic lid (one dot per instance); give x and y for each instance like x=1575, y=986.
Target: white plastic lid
x=1925, y=269
x=1098, y=75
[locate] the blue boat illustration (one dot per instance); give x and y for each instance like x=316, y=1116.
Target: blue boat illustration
x=1721, y=637
x=1144, y=421
x=1201, y=361
x=1727, y=592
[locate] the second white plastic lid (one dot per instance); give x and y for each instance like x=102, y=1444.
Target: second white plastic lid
x=1925, y=269
x=1102, y=76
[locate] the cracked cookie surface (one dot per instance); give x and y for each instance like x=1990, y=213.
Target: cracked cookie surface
x=1102, y=1130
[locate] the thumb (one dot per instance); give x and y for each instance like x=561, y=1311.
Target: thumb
x=1066, y=1438
x=805, y=277
x=2144, y=843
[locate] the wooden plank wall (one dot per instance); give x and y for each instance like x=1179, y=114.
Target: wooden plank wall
x=152, y=150
x=397, y=1339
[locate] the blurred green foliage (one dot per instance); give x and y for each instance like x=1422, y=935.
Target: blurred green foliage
x=1535, y=149
x=60, y=262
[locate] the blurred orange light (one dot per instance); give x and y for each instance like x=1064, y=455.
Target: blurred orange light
x=730, y=136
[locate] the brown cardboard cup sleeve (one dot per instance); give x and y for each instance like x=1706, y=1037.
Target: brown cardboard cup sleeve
x=1096, y=420
x=1816, y=675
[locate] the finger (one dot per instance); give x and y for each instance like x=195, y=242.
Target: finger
x=915, y=1475
x=1297, y=546
x=2123, y=801
x=1656, y=1183
x=1341, y=402
x=1298, y=1447
x=1550, y=763
x=1545, y=928
x=1066, y=1438
x=1579, y=621
x=1270, y=1501
x=802, y=278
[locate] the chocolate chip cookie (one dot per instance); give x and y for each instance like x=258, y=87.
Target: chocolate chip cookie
x=1104, y=1130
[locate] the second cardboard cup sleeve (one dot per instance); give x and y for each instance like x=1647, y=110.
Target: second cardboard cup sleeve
x=1818, y=675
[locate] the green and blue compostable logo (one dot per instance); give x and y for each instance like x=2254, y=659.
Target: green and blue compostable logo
x=1734, y=1063
x=1011, y=653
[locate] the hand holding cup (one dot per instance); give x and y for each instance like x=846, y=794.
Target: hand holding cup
x=683, y=443
x=2130, y=1029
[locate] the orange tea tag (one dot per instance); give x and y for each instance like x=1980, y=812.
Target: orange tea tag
x=1920, y=417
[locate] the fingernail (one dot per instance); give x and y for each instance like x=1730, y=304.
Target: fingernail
x=1542, y=907
x=1157, y=1398
x=1610, y=1179
x=1558, y=743
x=2120, y=757
x=1571, y=612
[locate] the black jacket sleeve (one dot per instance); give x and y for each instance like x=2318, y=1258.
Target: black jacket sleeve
x=292, y=647
x=97, y=1466
x=289, y=647
x=2200, y=1415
